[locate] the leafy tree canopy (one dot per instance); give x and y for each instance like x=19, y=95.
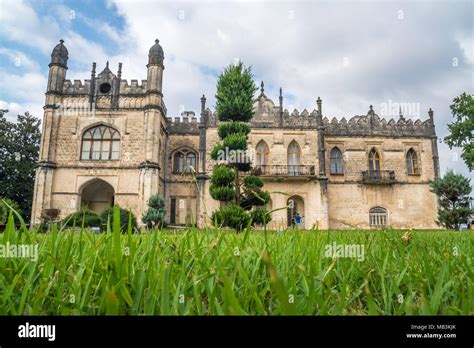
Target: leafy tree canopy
x=19, y=148
x=453, y=197
x=462, y=129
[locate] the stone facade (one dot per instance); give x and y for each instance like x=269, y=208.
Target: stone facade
x=108, y=141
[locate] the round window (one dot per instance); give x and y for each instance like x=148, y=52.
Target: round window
x=105, y=88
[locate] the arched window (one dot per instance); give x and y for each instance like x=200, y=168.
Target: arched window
x=374, y=164
x=378, y=217
x=190, y=162
x=101, y=143
x=336, y=161
x=412, y=162
x=294, y=157
x=183, y=161
x=262, y=156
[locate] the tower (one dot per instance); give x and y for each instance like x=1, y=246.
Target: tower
x=57, y=68
x=155, y=127
x=155, y=69
x=46, y=162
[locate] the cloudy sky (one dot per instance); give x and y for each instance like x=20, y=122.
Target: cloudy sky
x=350, y=53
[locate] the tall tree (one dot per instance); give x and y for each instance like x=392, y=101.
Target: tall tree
x=19, y=147
x=234, y=109
x=453, y=197
x=462, y=129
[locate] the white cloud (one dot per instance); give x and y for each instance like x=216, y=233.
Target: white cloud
x=300, y=46
x=18, y=60
x=15, y=109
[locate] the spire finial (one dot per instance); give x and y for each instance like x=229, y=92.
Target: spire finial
x=157, y=41
x=107, y=65
x=119, y=73
x=400, y=111
x=61, y=41
x=203, y=104
x=262, y=87
x=280, y=98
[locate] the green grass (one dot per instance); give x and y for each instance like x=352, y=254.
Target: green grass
x=195, y=272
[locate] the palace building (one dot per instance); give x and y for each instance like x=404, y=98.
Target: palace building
x=106, y=141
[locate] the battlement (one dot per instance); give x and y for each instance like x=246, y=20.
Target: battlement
x=373, y=125
x=76, y=87
x=83, y=87
x=188, y=123
x=133, y=87
x=268, y=115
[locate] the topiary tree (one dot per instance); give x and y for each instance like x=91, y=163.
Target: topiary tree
x=453, y=197
x=124, y=217
x=155, y=215
x=83, y=217
x=234, y=109
x=233, y=216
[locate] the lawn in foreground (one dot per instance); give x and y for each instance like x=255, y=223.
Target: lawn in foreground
x=211, y=272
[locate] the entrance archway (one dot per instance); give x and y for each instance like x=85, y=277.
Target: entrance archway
x=97, y=195
x=295, y=208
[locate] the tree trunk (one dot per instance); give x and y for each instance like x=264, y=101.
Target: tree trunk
x=237, y=186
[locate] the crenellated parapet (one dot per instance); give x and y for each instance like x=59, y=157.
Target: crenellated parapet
x=269, y=115
x=373, y=125
x=78, y=87
x=186, y=124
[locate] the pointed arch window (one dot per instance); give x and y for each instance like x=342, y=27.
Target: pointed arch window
x=263, y=154
x=412, y=162
x=335, y=160
x=101, y=143
x=374, y=164
x=184, y=162
x=294, y=158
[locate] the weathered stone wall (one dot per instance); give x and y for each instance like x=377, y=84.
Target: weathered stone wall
x=408, y=201
x=181, y=186
x=134, y=176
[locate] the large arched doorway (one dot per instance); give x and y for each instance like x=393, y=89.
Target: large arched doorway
x=97, y=195
x=295, y=212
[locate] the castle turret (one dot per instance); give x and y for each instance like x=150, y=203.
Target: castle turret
x=155, y=69
x=57, y=68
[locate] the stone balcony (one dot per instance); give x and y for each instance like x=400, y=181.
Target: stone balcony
x=287, y=171
x=381, y=177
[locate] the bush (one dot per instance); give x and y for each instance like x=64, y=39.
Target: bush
x=260, y=216
x=235, y=141
x=232, y=216
x=124, y=214
x=257, y=198
x=227, y=128
x=216, y=152
x=5, y=210
x=155, y=215
x=253, y=182
x=222, y=176
x=86, y=216
x=222, y=193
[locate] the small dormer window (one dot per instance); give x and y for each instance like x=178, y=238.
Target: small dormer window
x=105, y=88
